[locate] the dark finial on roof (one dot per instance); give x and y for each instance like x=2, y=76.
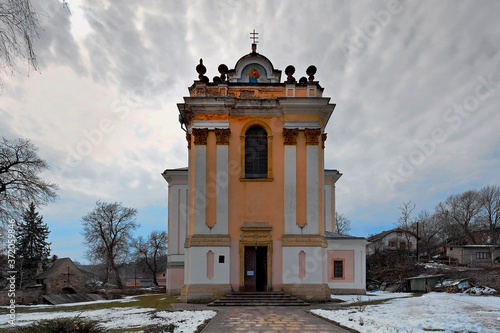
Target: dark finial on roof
x=201, y=69
x=223, y=71
x=303, y=80
x=289, y=70
x=311, y=70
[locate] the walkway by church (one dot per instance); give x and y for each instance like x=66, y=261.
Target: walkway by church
x=249, y=319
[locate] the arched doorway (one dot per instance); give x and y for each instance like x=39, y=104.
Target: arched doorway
x=68, y=290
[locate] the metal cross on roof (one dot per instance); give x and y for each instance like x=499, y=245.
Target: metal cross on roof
x=254, y=36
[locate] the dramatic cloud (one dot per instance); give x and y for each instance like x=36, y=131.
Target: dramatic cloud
x=416, y=86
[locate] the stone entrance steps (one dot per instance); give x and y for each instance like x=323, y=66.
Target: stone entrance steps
x=276, y=298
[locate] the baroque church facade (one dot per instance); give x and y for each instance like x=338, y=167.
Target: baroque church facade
x=254, y=210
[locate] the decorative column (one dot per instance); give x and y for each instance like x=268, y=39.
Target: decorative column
x=312, y=179
x=290, y=188
x=222, y=178
x=200, y=176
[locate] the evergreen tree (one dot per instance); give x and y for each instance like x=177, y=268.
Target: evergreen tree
x=33, y=250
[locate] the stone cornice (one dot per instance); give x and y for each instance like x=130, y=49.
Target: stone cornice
x=207, y=240
x=304, y=240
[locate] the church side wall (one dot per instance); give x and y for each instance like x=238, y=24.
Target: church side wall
x=352, y=251
x=177, y=218
x=328, y=212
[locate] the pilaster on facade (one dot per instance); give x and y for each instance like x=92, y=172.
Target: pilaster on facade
x=199, y=185
x=222, y=183
x=312, y=179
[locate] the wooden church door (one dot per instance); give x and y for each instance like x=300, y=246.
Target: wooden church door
x=255, y=268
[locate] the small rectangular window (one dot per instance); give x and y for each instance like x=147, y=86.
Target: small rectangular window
x=221, y=259
x=338, y=268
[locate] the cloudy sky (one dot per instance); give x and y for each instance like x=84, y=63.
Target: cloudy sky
x=416, y=83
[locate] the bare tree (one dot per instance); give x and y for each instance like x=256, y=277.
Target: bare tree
x=20, y=182
x=405, y=222
x=489, y=197
x=18, y=29
x=427, y=228
x=108, y=235
x=459, y=213
x=342, y=224
x=150, y=250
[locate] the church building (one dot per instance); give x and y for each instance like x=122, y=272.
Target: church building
x=254, y=210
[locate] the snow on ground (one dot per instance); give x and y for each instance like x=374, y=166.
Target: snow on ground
x=126, y=317
x=440, y=312
x=370, y=296
x=125, y=299
x=186, y=321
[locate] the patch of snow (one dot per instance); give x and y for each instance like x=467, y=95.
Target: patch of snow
x=119, y=300
x=432, y=311
x=370, y=296
x=480, y=291
x=123, y=318
x=186, y=321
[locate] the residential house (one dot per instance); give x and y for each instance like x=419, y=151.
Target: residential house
x=392, y=240
x=474, y=254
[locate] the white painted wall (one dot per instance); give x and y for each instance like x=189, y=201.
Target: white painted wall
x=290, y=189
x=197, y=265
x=312, y=192
x=314, y=265
x=327, y=206
x=221, y=226
x=177, y=218
x=200, y=185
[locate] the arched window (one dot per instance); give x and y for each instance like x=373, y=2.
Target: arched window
x=256, y=152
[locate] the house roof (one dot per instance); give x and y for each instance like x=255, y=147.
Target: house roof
x=478, y=246
x=379, y=236
x=336, y=235
x=425, y=277
x=55, y=267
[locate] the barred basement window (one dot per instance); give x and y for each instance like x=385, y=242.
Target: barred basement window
x=256, y=152
x=338, y=269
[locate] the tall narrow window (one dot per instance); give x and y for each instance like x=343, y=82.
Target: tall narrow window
x=338, y=269
x=256, y=152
